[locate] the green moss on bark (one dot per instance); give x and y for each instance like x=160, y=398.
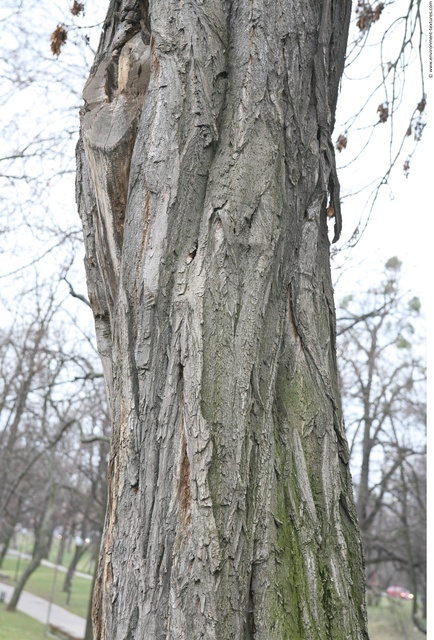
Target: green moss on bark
x=291, y=610
x=311, y=600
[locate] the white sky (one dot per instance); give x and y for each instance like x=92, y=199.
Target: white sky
x=400, y=221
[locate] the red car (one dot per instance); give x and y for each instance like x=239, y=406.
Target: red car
x=399, y=592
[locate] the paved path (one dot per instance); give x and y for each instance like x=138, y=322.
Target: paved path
x=38, y=608
x=46, y=563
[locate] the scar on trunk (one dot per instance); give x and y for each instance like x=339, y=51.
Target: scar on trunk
x=184, y=485
x=114, y=96
x=184, y=476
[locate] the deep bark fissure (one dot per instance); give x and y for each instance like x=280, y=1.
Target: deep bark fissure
x=209, y=278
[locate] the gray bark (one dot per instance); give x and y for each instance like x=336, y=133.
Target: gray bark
x=205, y=167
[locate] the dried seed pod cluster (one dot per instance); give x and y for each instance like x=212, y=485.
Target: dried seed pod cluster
x=77, y=8
x=383, y=112
x=58, y=39
x=341, y=142
x=367, y=14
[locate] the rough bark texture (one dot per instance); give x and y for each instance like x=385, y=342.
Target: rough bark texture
x=205, y=167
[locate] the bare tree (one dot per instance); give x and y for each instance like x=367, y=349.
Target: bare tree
x=382, y=372
x=413, y=518
x=42, y=536
x=47, y=383
x=25, y=364
x=39, y=103
x=89, y=500
x=380, y=129
x=382, y=379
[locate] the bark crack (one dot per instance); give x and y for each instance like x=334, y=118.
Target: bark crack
x=184, y=476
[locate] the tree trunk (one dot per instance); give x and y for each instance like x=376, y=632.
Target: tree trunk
x=78, y=554
x=203, y=198
x=88, y=635
x=6, y=542
x=80, y=549
x=40, y=548
x=8, y=528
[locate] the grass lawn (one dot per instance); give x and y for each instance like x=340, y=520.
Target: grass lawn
x=391, y=620
x=41, y=581
x=86, y=564
x=18, y=626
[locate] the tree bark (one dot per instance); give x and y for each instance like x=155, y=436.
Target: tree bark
x=205, y=168
x=88, y=634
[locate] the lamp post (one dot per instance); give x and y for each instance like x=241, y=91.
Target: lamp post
x=20, y=552
x=78, y=543
x=53, y=584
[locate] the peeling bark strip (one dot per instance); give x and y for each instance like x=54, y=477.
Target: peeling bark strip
x=205, y=168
